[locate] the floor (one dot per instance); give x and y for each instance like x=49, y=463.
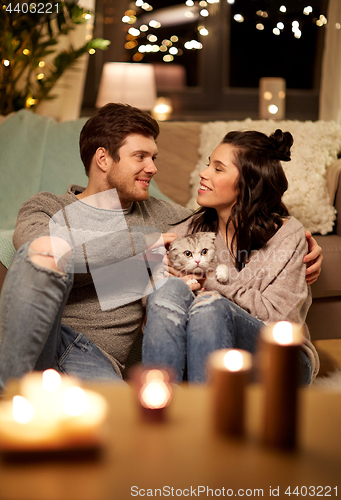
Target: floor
x=330, y=355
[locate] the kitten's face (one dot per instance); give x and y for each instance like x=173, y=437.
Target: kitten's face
x=193, y=254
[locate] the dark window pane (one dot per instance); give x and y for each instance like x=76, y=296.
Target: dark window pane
x=257, y=53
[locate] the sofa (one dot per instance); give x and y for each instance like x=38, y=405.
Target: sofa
x=39, y=154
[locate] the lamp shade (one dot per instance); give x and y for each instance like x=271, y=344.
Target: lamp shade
x=128, y=83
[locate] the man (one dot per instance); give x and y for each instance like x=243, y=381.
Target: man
x=72, y=298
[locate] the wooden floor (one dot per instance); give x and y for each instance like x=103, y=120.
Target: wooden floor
x=330, y=355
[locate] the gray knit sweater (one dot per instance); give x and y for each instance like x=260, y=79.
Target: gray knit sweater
x=94, y=306
x=271, y=286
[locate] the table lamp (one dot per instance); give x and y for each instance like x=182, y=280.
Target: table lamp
x=128, y=83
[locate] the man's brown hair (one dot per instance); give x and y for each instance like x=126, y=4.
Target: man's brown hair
x=109, y=127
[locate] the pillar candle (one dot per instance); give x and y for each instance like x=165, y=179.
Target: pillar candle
x=229, y=371
x=279, y=366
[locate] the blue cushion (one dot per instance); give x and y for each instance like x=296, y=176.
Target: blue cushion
x=7, y=249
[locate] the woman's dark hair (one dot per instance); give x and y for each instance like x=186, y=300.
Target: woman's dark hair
x=259, y=211
x=109, y=127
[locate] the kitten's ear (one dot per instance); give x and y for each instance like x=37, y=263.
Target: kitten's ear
x=172, y=246
x=211, y=235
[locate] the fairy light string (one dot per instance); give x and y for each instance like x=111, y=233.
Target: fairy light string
x=144, y=37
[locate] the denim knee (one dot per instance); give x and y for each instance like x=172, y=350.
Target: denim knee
x=51, y=253
x=211, y=300
x=173, y=289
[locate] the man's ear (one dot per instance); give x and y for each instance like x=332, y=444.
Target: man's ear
x=101, y=157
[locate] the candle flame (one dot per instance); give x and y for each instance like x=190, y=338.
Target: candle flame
x=155, y=394
x=75, y=402
x=151, y=375
x=233, y=360
x=22, y=410
x=282, y=333
x=51, y=380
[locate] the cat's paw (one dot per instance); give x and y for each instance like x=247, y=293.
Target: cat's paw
x=222, y=273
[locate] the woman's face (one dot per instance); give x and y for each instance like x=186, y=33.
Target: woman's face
x=218, y=181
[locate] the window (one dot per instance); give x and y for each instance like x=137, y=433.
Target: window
x=221, y=78
x=280, y=38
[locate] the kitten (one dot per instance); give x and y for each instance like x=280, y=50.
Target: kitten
x=195, y=254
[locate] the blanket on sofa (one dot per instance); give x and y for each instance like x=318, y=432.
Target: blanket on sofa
x=37, y=154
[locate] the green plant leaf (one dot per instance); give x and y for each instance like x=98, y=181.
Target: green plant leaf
x=39, y=34
x=98, y=43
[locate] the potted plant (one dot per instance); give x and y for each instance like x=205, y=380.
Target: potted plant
x=30, y=62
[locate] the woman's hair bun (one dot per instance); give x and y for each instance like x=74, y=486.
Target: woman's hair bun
x=282, y=142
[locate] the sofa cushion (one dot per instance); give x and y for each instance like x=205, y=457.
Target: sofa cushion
x=323, y=318
x=178, y=145
x=329, y=281
x=37, y=154
x=7, y=249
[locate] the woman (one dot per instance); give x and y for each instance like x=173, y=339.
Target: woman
x=241, y=200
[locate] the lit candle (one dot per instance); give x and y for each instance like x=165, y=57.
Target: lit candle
x=46, y=392
x=154, y=393
x=229, y=371
x=51, y=414
x=279, y=365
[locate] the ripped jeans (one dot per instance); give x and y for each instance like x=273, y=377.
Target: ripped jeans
x=182, y=330
x=32, y=336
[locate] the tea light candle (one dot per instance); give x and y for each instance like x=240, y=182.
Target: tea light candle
x=229, y=371
x=46, y=392
x=279, y=365
x=155, y=394
x=62, y=418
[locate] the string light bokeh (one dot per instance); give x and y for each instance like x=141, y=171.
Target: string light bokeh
x=278, y=38
x=273, y=20
x=142, y=38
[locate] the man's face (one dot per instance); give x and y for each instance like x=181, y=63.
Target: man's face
x=131, y=175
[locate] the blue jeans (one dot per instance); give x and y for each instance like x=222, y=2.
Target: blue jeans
x=31, y=334
x=182, y=330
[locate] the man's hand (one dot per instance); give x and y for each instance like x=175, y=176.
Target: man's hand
x=313, y=259
x=155, y=240
x=192, y=281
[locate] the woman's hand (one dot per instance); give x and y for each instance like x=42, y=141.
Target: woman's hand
x=313, y=259
x=190, y=279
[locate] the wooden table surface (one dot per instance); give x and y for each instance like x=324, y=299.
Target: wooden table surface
x=185, y=454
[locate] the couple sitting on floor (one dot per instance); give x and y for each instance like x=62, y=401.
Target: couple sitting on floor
x=72, y=297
